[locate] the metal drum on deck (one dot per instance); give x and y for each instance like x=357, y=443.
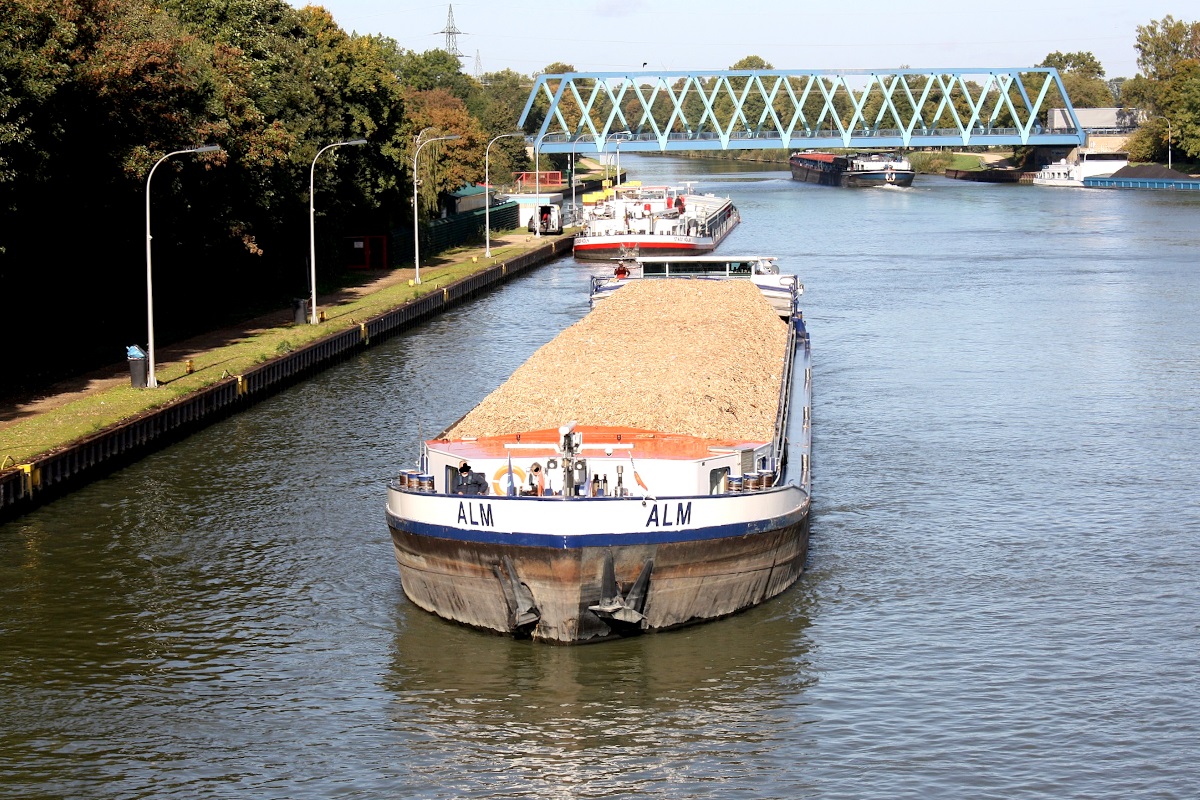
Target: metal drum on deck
x=766, y=479
x=408, y=478
x=425, y=483
x=735, y=484
x=750, y=481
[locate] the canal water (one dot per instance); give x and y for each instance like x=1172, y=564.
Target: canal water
x=1001, y=598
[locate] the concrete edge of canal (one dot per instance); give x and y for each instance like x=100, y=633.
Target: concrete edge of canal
x=27, y=486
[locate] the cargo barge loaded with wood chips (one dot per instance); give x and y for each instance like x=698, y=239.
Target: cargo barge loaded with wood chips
x=634, y=475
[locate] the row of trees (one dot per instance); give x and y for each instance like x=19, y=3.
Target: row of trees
x=1165, y=92
x=94, y=92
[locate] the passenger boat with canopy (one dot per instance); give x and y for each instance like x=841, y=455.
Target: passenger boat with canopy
x=653, y=221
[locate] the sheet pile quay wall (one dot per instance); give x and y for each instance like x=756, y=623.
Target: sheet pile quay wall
x=26, y=486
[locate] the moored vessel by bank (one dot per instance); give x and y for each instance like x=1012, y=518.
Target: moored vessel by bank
x=1072, y=173
x=858, y=170
x=666, y=498
x=1145, y=176
x=653, y=220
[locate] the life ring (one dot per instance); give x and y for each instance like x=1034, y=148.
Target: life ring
x=500, y=480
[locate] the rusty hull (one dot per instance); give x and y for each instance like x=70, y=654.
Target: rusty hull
x=689, y=582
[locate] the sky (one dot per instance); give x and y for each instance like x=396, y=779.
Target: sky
x=685, y=35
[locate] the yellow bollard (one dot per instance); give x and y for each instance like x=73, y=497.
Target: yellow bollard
x=190, y=367
x=31, y=479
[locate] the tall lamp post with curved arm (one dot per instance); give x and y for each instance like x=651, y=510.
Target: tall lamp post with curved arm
x=312, y=224
x=487, y=204
x=626, y=136
x=1168, y=143
x=537, y=187
x=151, y=381
x=596, y=138
x=416, y=184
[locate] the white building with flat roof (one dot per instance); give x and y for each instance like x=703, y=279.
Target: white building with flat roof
x=1116, y=120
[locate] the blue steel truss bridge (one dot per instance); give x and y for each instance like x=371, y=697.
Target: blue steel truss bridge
x=796, y=109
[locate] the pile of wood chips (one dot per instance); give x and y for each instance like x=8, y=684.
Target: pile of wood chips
x=697, y=357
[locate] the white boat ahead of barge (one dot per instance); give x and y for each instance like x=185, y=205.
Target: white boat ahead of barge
x=673, y=496
x=633, y=220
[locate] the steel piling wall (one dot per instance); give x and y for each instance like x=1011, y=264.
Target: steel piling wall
x=26, y=486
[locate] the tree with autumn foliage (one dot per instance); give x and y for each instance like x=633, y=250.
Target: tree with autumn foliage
x=445, y=166
x=94, y=92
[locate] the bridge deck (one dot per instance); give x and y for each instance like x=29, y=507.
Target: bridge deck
x=796, y=109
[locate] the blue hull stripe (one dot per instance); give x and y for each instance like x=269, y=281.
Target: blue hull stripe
x=559, y=542
x=875, y=177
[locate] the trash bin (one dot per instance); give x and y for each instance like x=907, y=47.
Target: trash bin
x=300, y=308
x=137, y=366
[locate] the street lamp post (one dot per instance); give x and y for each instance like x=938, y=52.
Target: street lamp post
x=487, y=202
x=596, y=138
x=417, y=183
x=627, y=136
x=537, y=188
x=151, y=381
x=312, y=224
x=1168, y=142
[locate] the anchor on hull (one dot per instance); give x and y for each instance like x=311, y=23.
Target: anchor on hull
x=523, y=614
x=627, y=609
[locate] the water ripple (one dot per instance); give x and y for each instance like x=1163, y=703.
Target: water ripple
x=1000, y=593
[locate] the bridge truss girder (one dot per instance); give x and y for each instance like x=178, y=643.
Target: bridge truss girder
x=794, y=109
